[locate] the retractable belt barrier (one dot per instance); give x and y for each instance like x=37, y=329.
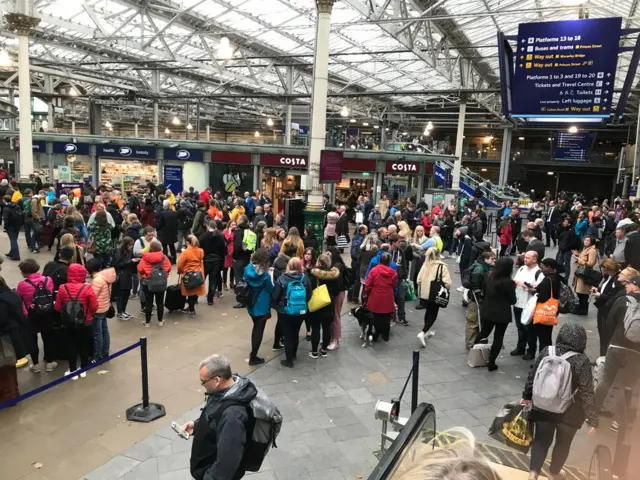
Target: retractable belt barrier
x=142, y=412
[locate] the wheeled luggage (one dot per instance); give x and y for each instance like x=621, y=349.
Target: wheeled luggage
x=174, y=300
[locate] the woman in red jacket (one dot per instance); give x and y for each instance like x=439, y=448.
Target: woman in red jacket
x=150, y=258
x=506, y=235
x=379, y=290
x=79, y=339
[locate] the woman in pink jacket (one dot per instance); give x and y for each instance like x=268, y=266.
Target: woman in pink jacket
x=42, y=324
x=101, y=283
x=229, y=232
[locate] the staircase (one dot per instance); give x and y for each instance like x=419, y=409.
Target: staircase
x=492, y=195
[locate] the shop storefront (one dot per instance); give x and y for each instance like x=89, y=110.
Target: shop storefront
x=231, y=171
x=282, y=176
x=357, y=175
x=126, y=167
x=189, y=165
x=401, y=179
x=71, y=162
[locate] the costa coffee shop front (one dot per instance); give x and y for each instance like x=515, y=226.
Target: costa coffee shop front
x=282, y=176
x=402, y=179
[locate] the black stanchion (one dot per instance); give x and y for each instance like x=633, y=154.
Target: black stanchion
x=414, y=380
x=145, y=412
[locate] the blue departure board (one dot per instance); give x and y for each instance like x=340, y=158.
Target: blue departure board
x=566, y=69
x=572, y=146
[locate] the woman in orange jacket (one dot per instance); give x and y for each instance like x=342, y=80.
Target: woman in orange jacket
x=190, y=264
x=151, y=257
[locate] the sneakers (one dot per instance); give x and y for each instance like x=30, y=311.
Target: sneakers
x=429, y=334
x=134, y=296
x=75, y=377
x=51, y=366
x=218, y=295
x=333, y=346
x=460, y=289
x=161, y=323
x=145, y=324
x=286, y=363
x=256, y=361
x=404, y=322
x=323, y=353
x=313, y=355
x=239, y=305
x=517, y=352
x=277, y=347
x=421, y=338
x=191, y=315
x=420, y=306
x=226, y=287
x=83, y=375
x=528, y=356
x=124, y=316
x=34, y=368
x=615, y=427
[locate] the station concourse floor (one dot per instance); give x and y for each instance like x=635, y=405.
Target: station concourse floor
x=78, y=430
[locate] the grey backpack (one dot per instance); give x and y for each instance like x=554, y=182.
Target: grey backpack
x=157, y=281
x=552, y=383
x=632, y=320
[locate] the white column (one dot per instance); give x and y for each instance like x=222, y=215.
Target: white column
x=135, y=129
x=48, y=88
x=636, y=152
x=208, y=133
x=155, y=86
x=505, y=157
x=319, y=101
x=73, y=127
x=24, y=91
x=455, y=184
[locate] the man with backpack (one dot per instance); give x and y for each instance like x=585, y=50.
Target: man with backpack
x=473, y=279
x=244, y=244
x=559, y=392
x=229, y=438
x=33, y=215
x=526, y=279
x=12, y=218
x=623, y=327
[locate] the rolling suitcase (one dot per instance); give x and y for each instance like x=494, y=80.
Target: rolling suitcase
x=174, y=300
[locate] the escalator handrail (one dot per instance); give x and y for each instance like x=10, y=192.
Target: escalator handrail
x=395, y=452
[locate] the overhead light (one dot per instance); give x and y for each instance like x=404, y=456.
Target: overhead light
x=573, y=129
x=405, y=133
x=5, y=60
x=520, y=138
x=376, y=126
x=483, y=169
x=386, y=129
x=345, y=111
x=73, y=92
x=429, y=125
x=365, y=124
x=175, y=121
x=517, y=153
x=110, y=128
x=257, y=134
x=426, y=132
x=107, y=124
x=549, y=173
x=224, y=49
x=353, y=120
x=189, y=126
x=549, y=138
x=167, y=131
x=270, y=122
x=488, y=139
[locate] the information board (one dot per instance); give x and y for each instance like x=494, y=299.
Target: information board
x=331, y=166
x=572, y=146
x=173, y=178
x=566, y=68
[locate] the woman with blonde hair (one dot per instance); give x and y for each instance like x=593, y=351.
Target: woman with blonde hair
x=78, y=222
x=270, y=243
x=191, y=269
x=67, y=240
x=433, y=268
x=403, y=229
x=293, y=237
x=419, y=236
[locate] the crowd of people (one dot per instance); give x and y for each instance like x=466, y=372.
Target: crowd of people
x=111, y=248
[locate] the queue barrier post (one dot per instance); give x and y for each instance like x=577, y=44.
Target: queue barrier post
x=145, y=412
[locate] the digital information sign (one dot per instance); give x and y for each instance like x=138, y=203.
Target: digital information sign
x=566, y=68
x=572, y=146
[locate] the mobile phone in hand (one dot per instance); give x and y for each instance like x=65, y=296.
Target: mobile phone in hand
x=179, y=430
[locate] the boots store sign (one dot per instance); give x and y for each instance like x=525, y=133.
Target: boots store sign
x=125, y=151
x=287, y=161
x=403, y=168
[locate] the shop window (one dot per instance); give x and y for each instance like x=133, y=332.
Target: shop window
x=226, y=178
x=127, y=174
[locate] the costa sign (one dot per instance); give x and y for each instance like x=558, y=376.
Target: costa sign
x=401, y=167
x=285, y=161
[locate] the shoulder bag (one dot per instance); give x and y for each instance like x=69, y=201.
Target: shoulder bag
x=319, y=298
x=546, y=313
x=438, y=292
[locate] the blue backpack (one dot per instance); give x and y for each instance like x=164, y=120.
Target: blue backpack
x=296, y=298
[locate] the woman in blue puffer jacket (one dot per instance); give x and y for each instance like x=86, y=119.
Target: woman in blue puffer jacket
x=256, y=274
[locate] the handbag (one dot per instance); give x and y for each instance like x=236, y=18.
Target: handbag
x=546, y=313
x=409, y=291
x=359, y=217
x=319, y=298
x=112, y=311
x=479, y=355
x=592, y=277
x=527, y=312
x=91, y=246
x=438, y=292
x=342, y=241
x=192, y=279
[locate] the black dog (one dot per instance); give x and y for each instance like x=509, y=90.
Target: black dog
x=366, y=321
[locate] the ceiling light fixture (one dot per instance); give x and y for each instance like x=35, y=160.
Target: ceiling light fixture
x=365, y=124
x=376, y=126
x=270, y=122
x=5, y=60
x=345, y=111
x=573, y=129
x=353, y=120
x=549, y=138
x=73, y=92
x=167, y=131
x=405, y=133
x=488, y=139
x=110, y=128
x=483, y=169
x=549, y=173
x=225, y=51
x=175, y=121
x=520, y=138
x=257, y=134
x=189, y=126
x=429, y=125
x=107, y=124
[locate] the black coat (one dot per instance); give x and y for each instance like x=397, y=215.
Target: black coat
x=125, y=268
x=342, y=225
x=632, y=250
x=499, y=297
x=167, y=226
x=279, y=293
x=13, y=323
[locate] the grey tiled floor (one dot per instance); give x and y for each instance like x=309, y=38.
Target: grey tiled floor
x=329, y=431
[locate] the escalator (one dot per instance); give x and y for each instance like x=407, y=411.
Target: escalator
x=492, y=195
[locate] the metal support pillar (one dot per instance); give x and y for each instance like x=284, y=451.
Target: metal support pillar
x=289, y=106
x=155, y=86
x=625, y=186
x=198, y=120
x=12, y=121
x=48, y=88
x=505, y=156
x=420, y=191
x=315, y=213
x=457, y=164
x=95, y=118
x=383, y=137
x=636, y=152
x=73, y=127
x=257, y=175
x=186, y=124
x=135, y=130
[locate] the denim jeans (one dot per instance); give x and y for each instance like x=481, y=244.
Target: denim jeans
x=564, y=258
x=31, y=233
x=14, y=253
x=136, y=283
x=105, y=258
x=101, y=337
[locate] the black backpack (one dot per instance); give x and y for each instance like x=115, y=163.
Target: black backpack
x=42, y=298
x=73, y=311
x=466, y=277
x=244, y=293
x=348, y=278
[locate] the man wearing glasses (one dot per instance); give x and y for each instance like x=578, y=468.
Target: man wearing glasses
x=220, y=434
